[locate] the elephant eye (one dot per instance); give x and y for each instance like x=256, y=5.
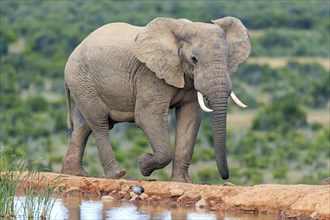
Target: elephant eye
x=194, y=59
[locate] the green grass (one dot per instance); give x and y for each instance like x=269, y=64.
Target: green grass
x=38, y=201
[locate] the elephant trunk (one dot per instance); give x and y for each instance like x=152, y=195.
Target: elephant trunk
x=218, y=104
x=217, y=88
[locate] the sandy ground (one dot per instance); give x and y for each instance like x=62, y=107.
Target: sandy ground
x=302, y=201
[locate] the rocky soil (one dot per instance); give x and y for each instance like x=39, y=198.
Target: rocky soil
x=301, y=201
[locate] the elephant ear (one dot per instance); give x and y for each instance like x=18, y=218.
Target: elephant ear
x=157, y=46
x=238, y=40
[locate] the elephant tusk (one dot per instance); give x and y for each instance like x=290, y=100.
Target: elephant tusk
x=201, y=102
x=237, y=101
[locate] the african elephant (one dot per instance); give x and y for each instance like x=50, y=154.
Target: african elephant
x=125, y=73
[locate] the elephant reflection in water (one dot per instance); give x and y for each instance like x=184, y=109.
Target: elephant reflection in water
x=72, y=204
x=124, y=73
x=78, y=208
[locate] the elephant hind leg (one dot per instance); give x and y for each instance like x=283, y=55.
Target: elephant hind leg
x=97, y=116
x=72, y=162
x=111, y=167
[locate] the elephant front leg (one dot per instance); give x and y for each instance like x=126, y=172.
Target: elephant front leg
x=188, y=119
x=155, y=126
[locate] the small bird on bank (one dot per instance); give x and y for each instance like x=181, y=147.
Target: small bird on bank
x=138, y=190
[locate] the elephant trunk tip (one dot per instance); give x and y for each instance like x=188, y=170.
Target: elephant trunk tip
x=223, y=170
x=225, y=176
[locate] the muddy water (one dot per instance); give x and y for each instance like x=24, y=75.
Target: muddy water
x=75, y=207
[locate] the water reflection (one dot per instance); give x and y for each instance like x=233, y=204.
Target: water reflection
x=130, y=212
x=95, y=209
x=74, y=207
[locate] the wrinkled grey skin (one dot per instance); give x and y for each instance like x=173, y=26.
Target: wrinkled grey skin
x=124, y=73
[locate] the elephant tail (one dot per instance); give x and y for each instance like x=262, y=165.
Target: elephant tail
x=68, y=108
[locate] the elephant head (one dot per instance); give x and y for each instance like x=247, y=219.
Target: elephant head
x=207, y=54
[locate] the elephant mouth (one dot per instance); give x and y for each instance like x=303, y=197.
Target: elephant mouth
x=232, y=96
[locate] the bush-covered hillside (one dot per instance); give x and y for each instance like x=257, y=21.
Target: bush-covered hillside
x=283, y=137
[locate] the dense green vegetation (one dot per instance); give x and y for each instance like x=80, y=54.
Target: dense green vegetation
x=36, y=37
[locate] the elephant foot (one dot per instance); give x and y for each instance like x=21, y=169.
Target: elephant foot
x=116, y=173
x=146, y=164
x=183, y=177
x=75, y=171
x=73, y=166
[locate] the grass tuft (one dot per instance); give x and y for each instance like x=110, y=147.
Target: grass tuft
x=36, y=201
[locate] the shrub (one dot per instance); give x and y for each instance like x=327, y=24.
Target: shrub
x=283, y=114
x=37, y=104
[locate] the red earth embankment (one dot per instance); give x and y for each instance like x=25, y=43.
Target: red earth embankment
x=311, y=201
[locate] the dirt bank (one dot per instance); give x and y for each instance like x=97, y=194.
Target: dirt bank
x=311, y=201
